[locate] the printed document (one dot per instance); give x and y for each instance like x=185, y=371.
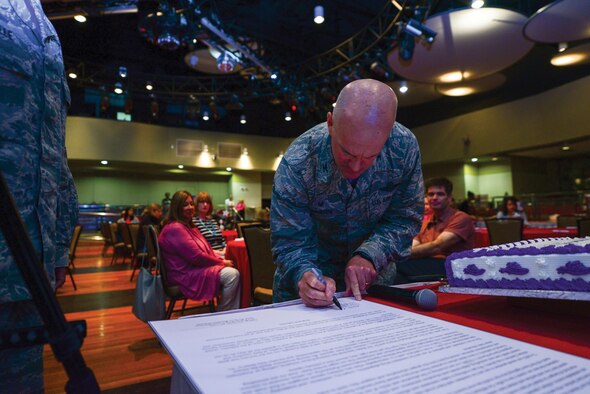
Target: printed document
x=365, y=348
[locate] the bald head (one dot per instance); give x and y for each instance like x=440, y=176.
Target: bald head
x=368, y=106
x=360, y=125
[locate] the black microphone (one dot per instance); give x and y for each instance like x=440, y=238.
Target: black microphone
x=425, y=298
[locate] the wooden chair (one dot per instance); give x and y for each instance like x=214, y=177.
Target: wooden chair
x=241, y=225
x=262, y=267
x=105, y=231
x=172, y=291
x=584, y=227
x=567, y=221
x=72, y=253
x=502, y=231
x=119, y=248
x=139, y=255
x=127, y=241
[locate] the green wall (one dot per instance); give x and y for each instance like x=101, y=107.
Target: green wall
x=127, y=190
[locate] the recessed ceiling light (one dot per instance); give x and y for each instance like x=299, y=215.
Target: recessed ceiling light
x=104, y=162
x=565, y=148
x=474, y=159
x=228, y=169
x=494, y=159
x=180, y=166
x=80, y=18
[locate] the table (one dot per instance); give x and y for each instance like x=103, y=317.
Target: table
x=537, y=324
x=229, y=235
x=482, y=238
x=237, y=253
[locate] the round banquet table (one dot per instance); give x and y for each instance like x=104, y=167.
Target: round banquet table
x=482, y=238
x=237, y=253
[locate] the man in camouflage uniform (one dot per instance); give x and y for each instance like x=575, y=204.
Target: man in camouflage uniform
x=33, y=100
x=347, y=199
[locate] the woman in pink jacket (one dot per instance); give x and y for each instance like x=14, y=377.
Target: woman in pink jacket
x=191, y=263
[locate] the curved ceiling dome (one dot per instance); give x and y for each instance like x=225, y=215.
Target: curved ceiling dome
x=560, y=21
x=470, y=44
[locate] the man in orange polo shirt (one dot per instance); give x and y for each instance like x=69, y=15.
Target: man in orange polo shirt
x=446, y=231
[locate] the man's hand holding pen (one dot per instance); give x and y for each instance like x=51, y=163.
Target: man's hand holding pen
x=316, y=290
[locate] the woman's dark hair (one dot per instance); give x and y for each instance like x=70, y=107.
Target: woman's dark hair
x=176, y=206
x=204, y=196
x=504, y=208
x=126, y=215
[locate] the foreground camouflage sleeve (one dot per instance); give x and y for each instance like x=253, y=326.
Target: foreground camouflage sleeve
x=67, y=214
x=294, y=239
x=392, y=239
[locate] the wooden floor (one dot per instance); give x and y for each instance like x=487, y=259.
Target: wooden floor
x=121, y=350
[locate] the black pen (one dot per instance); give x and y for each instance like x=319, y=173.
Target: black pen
x=323, y=281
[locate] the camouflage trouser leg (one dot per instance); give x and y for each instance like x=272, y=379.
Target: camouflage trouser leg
x=21, y=370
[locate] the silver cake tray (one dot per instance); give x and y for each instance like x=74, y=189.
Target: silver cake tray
x=553, y=294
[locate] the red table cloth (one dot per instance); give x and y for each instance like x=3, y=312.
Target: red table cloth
x=482, y=238
x=237, y=253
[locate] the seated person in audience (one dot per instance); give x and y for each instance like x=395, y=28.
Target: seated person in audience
x=207, y=225
x=153, y=216
x=447, y=230
x=427, y=210
x=191, y=263
x=128, y=217
x=509, y=210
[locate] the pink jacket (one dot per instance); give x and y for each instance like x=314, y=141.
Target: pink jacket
x=191, y=263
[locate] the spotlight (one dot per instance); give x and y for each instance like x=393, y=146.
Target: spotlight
x=80, y=18
x=245, y=151
x=288, y=116
x=406, y=46
x=72, y=74
x=149, y=86
x=123, y=72
x=318, y=14
x=420, y=30
x=243, y=119
x=205, y=116
x=225, y=63
x=562, y=46
x=381, y=71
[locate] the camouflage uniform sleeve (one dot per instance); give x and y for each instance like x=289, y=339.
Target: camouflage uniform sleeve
x=392, y=240
x=294, y=239
x=67, y=214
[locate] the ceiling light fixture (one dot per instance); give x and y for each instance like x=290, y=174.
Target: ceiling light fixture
x=228, y=169
x=180, y=166
x=80, y=18
x=477, y=3
x=403, y=87
x=243, y=119
x=118, y=88
x=474, y=159
x=318, y=14
x=72, y=74
x=288, y=116
x=245, y=151
x=562, y=46
x=123, y=71
x=205, y=116
x=565, y=147
x=149, y=86
x=104, y=162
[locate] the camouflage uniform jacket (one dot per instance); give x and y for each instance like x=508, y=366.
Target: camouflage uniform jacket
x=33, y=101
x=319, y=220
